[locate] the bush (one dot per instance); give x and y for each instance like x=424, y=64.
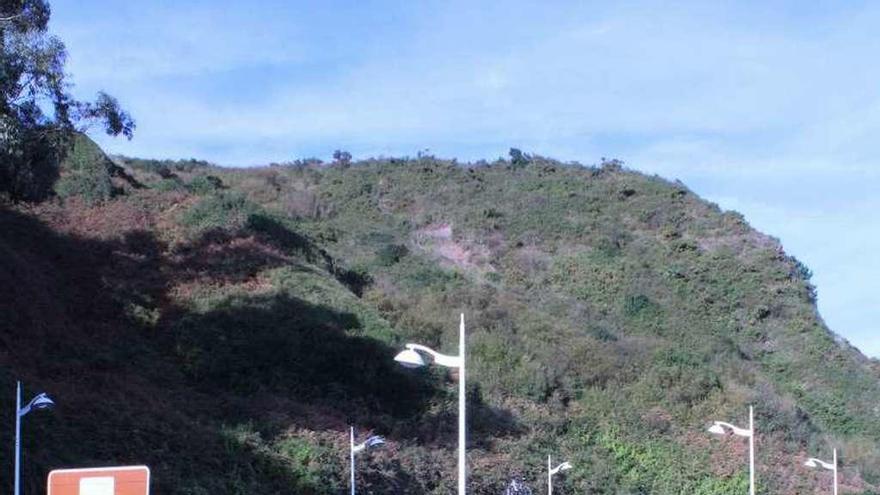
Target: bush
x=219, y=211
x=342, y=158
x=518, y=159
x=205, y=184
x=391, y=254
x=634, y=306
x=169, y=184
x=164, y=168
x=86, y=175
x=28, y=162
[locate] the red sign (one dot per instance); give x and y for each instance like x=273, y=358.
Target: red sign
x=125, y=480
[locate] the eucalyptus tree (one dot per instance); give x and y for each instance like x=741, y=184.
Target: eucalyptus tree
x=38, y=114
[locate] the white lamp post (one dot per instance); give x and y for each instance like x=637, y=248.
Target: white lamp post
x=722, y=428
x=41, y=401
x=553, y=470
x=370, y=443
x=832, y=466
x=411, y=358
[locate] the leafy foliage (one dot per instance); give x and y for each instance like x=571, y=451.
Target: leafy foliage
x=391, y=254
x=221, y=211
x=610, y=317
x=342, y=158
x=86, y=173
x=518, y=158
x=32, y=80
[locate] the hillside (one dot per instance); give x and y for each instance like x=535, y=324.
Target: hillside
x=225, y=326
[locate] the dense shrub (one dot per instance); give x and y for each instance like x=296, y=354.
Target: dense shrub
x=391, y=254
x=518, y=159
x=169, y=184
x=164, y=168
x=205, y=184
x=342, y=158
x=86, y=174
x=29, y=161
x=609, y=317
x=225, y=210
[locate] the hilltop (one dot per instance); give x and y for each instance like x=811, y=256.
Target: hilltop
x=225, y=326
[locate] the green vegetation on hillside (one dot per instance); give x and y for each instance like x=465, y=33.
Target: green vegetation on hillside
x=227, y=326
x=254, y=313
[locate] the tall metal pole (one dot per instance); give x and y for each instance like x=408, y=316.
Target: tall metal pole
x=462, y=422
x=17, y=435
x=549, y=477
x=835, y=471
x=351, y=452
x=752, y=450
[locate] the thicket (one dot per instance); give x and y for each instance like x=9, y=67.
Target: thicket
x=86, y=173
x=610, y=317
x=600, y=285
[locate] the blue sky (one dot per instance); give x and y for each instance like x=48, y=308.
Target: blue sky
x=768, y=108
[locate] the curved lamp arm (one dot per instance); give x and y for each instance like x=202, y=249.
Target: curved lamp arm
x=441, y=359
x=370, y=443
x=813, y=462
x=718, y=427
x=562, y=467
x=41, y=401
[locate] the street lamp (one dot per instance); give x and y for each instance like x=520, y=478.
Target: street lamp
x=41, y=401
x=372, y=442
x=411, y=357
x=553, y=470
x=722, y=428
x=815, y=463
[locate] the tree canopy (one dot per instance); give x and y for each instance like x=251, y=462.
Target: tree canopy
x=38, y=114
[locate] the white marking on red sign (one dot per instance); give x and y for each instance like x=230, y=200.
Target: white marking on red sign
x=99, y=485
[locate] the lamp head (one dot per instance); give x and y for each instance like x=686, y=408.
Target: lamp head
x=42, y=401
x=817, y=463
x=374, y=442
x=562, y=467
x=409, y=359
x=717, y=429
